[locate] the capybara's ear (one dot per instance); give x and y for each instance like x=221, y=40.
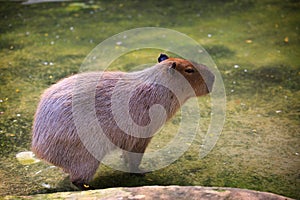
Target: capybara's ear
x=172, y=68
x=173, y=65
x=162, y=57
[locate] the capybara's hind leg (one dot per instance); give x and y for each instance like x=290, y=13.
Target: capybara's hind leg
x=83, y=173
x=82, y=186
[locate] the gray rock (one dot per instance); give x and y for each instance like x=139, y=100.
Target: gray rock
x=161, y=192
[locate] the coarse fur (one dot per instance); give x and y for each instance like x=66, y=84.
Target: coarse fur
x=56, y=136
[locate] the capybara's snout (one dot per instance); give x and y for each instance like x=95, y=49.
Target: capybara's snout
x=206, y=80
x=209, y=79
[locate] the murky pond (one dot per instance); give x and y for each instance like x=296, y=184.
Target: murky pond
x=255, y=45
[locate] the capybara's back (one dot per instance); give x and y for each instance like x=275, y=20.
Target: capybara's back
x=56, y=137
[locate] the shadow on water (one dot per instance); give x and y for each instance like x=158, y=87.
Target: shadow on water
x=283, y=75
x=120, y=179
x=273, y=79
x=219, y=51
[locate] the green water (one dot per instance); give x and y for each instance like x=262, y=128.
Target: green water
x=255, y=45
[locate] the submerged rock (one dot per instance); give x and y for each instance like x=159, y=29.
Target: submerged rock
x=161, y=192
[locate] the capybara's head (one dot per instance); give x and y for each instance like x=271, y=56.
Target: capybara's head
x=199, y=76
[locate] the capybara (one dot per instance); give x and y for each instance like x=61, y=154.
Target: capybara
x=127, y=107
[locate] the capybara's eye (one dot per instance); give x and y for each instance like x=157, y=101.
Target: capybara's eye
x=189, y=70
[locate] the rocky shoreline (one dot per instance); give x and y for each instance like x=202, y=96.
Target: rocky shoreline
x=160, y=192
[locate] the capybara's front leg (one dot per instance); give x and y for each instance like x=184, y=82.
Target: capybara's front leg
x=135, y=156
x=134, y=161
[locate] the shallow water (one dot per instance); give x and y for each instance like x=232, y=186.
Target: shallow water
x=255, y=45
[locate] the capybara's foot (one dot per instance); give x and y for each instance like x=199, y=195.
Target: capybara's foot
x=139, y=172
x=83, y=186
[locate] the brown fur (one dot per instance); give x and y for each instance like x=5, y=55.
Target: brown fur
x=55, y=137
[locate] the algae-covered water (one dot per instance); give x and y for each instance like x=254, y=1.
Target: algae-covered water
x=255, y=45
